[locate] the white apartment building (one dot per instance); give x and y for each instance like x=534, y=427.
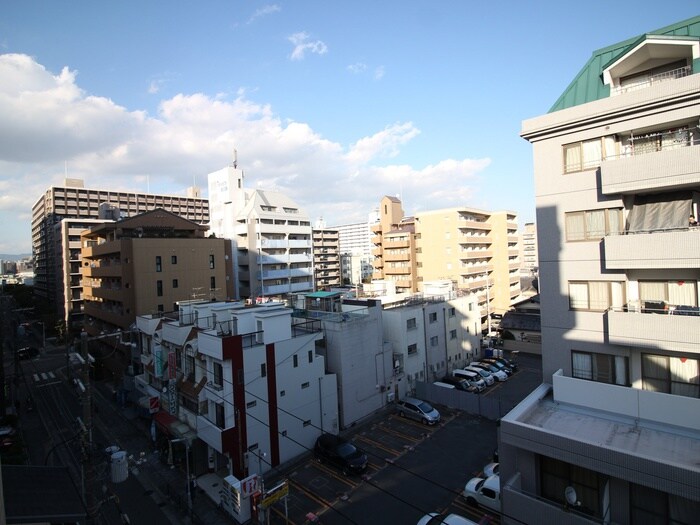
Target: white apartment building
x=271, y=237
x=356, y=249
x=245, y=379
x=528, y=250
x=613, y=434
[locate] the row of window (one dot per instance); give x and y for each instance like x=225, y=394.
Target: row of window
x=660, y=373
x=173, y=260
x=599, y=296
x=176, y=284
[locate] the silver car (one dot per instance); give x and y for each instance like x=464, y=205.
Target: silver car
x=419, y=410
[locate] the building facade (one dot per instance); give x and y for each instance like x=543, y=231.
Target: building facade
x=326, y=251
x=529, y=260
x=53, y=274
x=612, y=435
x=270, y=236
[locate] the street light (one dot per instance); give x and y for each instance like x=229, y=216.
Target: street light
x=187, y=468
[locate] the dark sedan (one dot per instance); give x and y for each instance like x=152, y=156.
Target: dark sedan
x=340, y=452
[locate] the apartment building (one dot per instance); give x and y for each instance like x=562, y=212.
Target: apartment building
x=54, y=274
x=245, y=380
x=394, y=250
x=613, y=434
x=326, y=253
x=144, y=265
x=528, y=250
x=270, y=236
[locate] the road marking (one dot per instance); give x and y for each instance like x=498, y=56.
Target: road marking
x=378, y=445
x=36, y=378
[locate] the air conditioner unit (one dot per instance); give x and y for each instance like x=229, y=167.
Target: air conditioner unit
x=390, y=397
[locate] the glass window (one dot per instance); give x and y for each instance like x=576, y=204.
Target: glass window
x=603, y=368
x=556, y=475
x=592, y=225
x=434, y=341
x=596, y=296
x=432, y=317
x=211, y=262
x=584, y=155
x=411, y=324
x=412, y=349
x=677, y=375
x=218, y=374
x=453, y=334
x=173, y=259
x=159, y=264
x=159, y=288
x=175, y=283
x=220, y=419
x=295, y=360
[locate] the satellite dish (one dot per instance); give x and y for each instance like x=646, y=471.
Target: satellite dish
x=570, y=495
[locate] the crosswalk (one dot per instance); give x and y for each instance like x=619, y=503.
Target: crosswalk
x=45, y=378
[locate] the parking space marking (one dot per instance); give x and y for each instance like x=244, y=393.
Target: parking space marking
x=282, y=515
x=329, y=470
x=407, y=437
x=311, y=495
x=378, y=445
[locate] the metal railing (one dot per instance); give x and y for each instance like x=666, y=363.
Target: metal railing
x=653, y=79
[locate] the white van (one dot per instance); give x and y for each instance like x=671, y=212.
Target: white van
x=485, y=374
x=471, y=376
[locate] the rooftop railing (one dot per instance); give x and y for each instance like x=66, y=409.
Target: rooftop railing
x=653, y=79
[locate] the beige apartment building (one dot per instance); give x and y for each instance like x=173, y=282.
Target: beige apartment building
x=145, y=265
x=326, y=252
x=56, y=246
x=394, y=247
x=613, y=433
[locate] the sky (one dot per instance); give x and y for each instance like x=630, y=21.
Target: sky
x=335, y=104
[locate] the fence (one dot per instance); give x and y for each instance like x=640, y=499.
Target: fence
x=490, y=407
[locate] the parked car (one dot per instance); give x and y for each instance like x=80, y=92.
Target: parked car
x=485, y=374
x=341, y=453
x=491, y=469
x=419, y=410
x=28, y=352
x=472, y=376
x=444, y=519
x=510, y=363
x=460, y=384
x=499, y=374
x=495, y=362
x=485, y=492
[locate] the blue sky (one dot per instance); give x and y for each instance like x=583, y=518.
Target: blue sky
x=334, y=103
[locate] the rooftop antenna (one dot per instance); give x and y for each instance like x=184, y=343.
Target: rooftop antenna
x=235, y=158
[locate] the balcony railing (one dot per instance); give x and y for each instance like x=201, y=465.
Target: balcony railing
x=652, y=79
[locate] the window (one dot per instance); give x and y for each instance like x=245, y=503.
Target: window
x=592, y=225
x=307, y=423
x=218, y=374
x=160, y=308
x=251, y=404
x=175, y=283
x=220, y=418
x=648, y=505
x=305, y=385
x=452, y=311
x=434, y=341
x=211, y=262
x=432, y=317
x=263, y=370
x=159, y=288
x=587, y=154
x=412, y=349
x=603, y=368
x=173, y=259
x=311, y=356
x=453, y=335
x=295, y=360
x=159, y=264
x=556, y=475
x=596, y=296
x=677, y=293
x=283, y=393
x=411, y=323
x=212, y=282
x=671, y=375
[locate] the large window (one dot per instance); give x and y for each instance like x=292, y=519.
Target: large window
x=411, y=323
x=591, y=225
x=596, y=296
x=654, y=507
x=603, y=368
x=671, y=375
x=218, y=375
x=587, y=154
x=676, y=293
x=556, y=475
x=412, y=349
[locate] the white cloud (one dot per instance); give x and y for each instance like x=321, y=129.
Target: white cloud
x=49, y=123
x=154, y=87
x=357, y=68
x=302, y=45
x=379, y=73
x=264, y=11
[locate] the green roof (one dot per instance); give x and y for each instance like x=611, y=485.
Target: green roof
x=321, y=295
x=588, y=84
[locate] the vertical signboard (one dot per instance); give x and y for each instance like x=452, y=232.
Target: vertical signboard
x=172, y=366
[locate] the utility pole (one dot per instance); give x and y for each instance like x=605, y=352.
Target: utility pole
x=88, y=466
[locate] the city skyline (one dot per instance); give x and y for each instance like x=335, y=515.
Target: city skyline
x=334, y=106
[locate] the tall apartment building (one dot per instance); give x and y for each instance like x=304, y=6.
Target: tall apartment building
x=271, y=237
x=528, y=250
x=53, y=273
x=394, y=250
x=326, y=252
x=613, y=435
x=146, y=264
x=475, y=249
x=356, y=250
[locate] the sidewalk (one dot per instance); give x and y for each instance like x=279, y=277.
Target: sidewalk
x=165, y=484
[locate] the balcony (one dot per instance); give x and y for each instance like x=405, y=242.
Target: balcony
x=396, y=244
x=652, y=250
x=221, y=439
x=396, y=257
x=96, y=249
x=474, y=239
x=477, y=225
x=673, y=329
x=674, y=168
x=377, y=252
x=403, y=270
x=475, y=254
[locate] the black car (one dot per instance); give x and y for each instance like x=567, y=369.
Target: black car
x=28, y=352
x=341, y=453
x=459, y=383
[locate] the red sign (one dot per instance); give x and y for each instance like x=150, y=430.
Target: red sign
x=172, y=367
x=249, y=485
x=154, y=404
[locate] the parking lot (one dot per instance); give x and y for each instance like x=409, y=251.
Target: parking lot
x=413, y=468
